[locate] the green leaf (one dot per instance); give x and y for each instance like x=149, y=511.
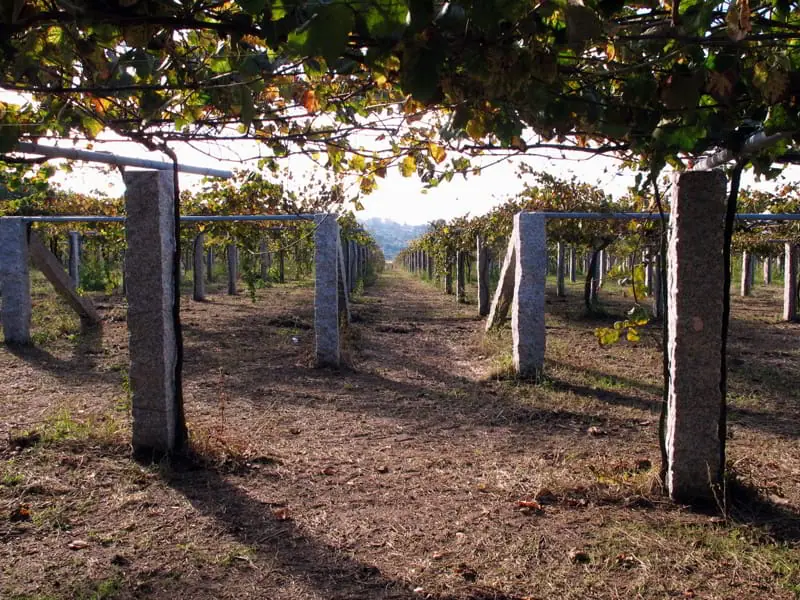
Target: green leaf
x=326, y=34
x=386, y=18
x=253, y=7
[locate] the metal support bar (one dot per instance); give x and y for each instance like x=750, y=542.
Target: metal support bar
x=184, y=218
x=113, y=159
x=755, y=143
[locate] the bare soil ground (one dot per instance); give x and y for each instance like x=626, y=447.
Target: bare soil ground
x=419, y=470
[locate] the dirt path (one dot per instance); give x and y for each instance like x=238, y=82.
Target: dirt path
x=409, y=473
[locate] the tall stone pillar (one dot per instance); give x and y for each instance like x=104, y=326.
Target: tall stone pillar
x=354, y=264
x=430, y=268
x=600, y=268
x=560, y=267
x=527, y=313
x=233, y=269
x=695, y=429
x=658, y=292
x=461, y=277
x=790, y=281
x=573, y=264
x=326, y=291
x=482, y=253
x=767, y=270
x=210, y=265
x=74, y=261
x=157, y=406
x=747, y=273
x=198, y=278
x=15, y=285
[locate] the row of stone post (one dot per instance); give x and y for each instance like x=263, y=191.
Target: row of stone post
x=153, y=302
x=695, y=425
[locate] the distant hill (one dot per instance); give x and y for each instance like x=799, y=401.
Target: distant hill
x=391, y=236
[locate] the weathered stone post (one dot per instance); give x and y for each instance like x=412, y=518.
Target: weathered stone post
x=281, y=266
x=264, y=257
x=647, y=257
x=153, y=341
x=695, y=428
x=573, y=264
x=482, y=253
x=747, y=273
x=354, y=264
x=767, y=270
x=658, y=293
x=461, y=277
x=448, y=275
x=199, y=287
x=15, y=285
x=74, y=261
x=596, y=270
x=430, y=268
x=527, y=313
x=790, y=281
x=326, y=291
x=210, y=265
x=233, y=269
x=600, y=269
x=560, y=270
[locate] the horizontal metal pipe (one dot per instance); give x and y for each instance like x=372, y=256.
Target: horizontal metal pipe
x=755, y=143
x=113, y=159
x=599, y=216
x=184, y=218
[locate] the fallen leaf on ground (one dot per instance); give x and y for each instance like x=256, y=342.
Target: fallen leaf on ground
x=21, y=513
x=282, y=514
x=78, y=545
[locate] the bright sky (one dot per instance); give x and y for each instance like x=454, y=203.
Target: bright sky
x=398, y=198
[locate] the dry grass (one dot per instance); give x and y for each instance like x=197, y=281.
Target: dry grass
x=419, y=470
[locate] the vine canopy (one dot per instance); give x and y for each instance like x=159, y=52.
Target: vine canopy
x=658, y=81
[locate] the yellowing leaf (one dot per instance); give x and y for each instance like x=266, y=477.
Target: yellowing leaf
x=309, y=100
x=633, y=335
x=358, y=163
x=476, y=129
x=437, y=152
x=408, y=166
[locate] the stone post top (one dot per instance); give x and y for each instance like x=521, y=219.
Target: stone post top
x=714, y=175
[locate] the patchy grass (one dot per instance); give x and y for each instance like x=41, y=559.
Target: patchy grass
x=420, y=469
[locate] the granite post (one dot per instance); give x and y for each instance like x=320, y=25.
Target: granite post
x=482, y=252
x=158, y=425
x=326, y=294
x=198, y=277
x=790, y=281
x=233, y=269
x=461, y=277
x=767, y=270
x=15, y=285
x=74, y=262
x=527, y=312
x=560, y=267
x=747, y=274
x=695, y=428
x=573, y=264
